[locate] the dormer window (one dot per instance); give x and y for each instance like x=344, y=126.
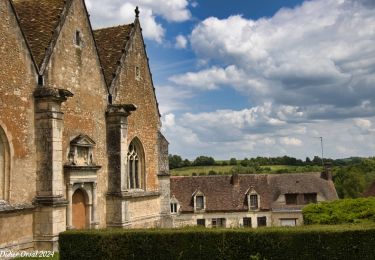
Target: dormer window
x=199, y=201
x=174, y=208
x=174, y=205
x=253, y=199
x=81, y=151
x=78, y=39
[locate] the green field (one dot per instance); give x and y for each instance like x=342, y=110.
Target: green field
x=230, y=169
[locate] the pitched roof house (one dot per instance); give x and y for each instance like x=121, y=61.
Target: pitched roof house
x=80, y=141
x=250, y=200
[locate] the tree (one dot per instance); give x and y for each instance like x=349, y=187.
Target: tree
x=233, y=161
x=204, y=161
x=186, y=163
x=245, y=162
x=175, y=161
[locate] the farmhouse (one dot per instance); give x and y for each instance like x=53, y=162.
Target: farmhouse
x=80, y=141
x=250, y=200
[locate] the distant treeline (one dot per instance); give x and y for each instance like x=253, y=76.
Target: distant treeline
x=176, y=161
x=352, y=176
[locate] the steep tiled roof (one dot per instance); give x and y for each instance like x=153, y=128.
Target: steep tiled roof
x=38, y=19
x=222, y=195
x=111, y=44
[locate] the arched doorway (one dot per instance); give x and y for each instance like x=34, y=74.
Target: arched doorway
x=79, y=210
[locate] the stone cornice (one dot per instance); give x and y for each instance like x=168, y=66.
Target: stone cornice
x=52, y=93
x=121, y=109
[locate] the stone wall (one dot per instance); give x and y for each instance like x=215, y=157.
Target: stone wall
x=16, y=230
x=77, y=69
x=144, y=123
x=144, y=212
x=17, y=82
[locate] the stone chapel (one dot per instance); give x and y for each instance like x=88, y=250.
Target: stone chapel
x=80, y=141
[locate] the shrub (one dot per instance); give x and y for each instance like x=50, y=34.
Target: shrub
x=314, y=242
x=340, y=211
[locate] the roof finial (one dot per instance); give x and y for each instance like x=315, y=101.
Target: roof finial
x=136, y=12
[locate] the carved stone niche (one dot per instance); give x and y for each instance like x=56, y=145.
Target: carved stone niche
x=81, y=151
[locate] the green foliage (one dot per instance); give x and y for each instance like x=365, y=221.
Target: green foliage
x=352, y=180
x=340, y=211
x=175, y=161
x=233, y=161
x=204, y=161
x=321, y=242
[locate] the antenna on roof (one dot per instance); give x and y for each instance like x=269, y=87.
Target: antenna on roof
x=136, y=12
x=321, y=145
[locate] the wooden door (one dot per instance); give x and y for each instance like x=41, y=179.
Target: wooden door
x=79, y=210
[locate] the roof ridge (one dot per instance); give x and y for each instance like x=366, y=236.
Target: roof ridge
x=111, y=27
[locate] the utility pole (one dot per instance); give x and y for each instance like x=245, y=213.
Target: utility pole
x=321, y=144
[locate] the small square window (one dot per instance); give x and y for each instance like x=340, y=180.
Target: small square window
x=262, y=221
x=247, y=222
x=291, y=199
x=201, y=222
x=218, y=222
x=309, y=198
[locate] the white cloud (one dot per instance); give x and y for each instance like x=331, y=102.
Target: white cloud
x=114, y=12
x=181, y=42
x=321, y=52
x=290, y=141
x=362, y=123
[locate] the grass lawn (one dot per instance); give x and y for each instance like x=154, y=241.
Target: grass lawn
x=229, y=169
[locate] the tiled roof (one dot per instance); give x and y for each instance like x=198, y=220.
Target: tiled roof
x=111, y=44
x=222, y=195
x=38, y=19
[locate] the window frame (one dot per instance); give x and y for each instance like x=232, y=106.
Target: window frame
x=174, y=207
x=201, y=222
x=218, y=222
x=246, y=222
x=260, y=221
x=291, y=199
x=310, y=197
x=135, y=166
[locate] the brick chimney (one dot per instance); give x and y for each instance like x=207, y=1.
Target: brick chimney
x=327, y=172
x=235, y=179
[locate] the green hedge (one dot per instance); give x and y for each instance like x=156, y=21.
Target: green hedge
x=314, y=242
x=340, y=211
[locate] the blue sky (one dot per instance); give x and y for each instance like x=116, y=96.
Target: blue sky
x=260, y=77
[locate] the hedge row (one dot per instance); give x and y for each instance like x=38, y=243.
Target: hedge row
x=340, y=211
x=314, y=242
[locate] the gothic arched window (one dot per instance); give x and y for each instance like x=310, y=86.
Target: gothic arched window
x=4, y=166
x=135, y=165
